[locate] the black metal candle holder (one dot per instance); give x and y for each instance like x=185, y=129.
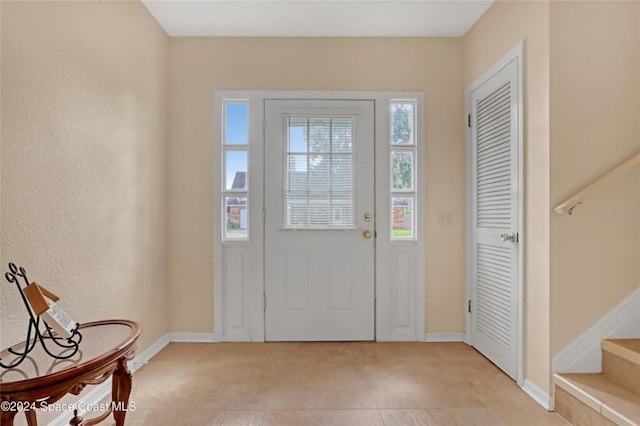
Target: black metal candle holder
x=70, y=344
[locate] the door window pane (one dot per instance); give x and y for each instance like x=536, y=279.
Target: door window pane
x=320, y=134
x=236, y=218
x=342, y=135
x=236, y=176
x=401, y=170
x=236, y=123
x=342, y=172
x=402, y=214
x=402, y=123
x=296, y=213
x=319, y=210
x=297, y=134
x=320, y=172
x=297, y=177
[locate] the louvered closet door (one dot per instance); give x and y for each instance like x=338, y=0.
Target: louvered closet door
x=495, y=218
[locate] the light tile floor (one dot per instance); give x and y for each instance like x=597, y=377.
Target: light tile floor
x=360, y=383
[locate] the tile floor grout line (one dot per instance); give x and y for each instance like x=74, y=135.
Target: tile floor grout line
x=324, y=380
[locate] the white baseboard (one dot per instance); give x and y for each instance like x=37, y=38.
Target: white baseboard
x=193, y=337
x=444, y=337
x=236, y=336
x=398, y=338
x=584, y=355
x=148, y=353
x=103, y=390
x=95, y=396
x=538, y=395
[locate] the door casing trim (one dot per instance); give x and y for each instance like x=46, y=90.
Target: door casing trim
x=254, y=298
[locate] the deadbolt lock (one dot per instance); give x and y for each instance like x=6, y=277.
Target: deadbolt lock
x=367, y=217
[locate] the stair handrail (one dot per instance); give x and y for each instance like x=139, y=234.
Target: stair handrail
x=610, y=176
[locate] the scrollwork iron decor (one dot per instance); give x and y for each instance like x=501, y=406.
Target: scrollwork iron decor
x=46, y=337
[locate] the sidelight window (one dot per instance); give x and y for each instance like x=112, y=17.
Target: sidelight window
x=402, y=165
x=235, y=174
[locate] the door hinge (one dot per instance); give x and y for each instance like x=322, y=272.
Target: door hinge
x=264, y=215
x=469, y=120
x=469, y=306
x=264, y=303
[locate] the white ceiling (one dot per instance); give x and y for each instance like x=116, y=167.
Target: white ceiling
x=315, y=18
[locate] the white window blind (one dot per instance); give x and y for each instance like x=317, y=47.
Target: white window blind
x=319, y=172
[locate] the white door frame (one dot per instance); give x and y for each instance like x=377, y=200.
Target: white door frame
x=239, y=311
x=516, y=54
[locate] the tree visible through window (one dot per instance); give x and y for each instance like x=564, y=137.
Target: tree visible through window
x=402, y=124
x=402, y=164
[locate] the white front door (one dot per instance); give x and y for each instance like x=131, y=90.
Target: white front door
x=495, y=187
x=320, y=223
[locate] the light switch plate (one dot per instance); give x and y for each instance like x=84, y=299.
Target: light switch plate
x=445, y=218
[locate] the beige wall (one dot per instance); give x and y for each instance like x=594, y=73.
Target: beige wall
x=200, y=66
x=88, y=208
x=594, y=109
x=499, y=30
x=84, y=103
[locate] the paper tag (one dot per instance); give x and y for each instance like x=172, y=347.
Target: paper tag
x=58, y=320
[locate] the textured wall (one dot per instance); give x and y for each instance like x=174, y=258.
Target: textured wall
x=84, y=103
x=594, y=108
x=500, y=29
x=199, y=66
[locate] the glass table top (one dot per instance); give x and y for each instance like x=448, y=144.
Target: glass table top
x=97, y=340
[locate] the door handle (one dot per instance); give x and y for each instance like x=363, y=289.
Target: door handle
x=367, y=234
x=508, y=236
